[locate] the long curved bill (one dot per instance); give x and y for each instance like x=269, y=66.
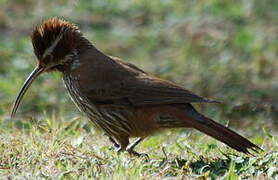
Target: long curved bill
x=35, y=73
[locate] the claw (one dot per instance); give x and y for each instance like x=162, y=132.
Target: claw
x=134, y=153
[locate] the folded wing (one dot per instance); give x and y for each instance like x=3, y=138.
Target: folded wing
x=143, y=90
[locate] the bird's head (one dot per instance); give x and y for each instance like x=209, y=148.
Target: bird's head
x=55, y=44
x=54, y=41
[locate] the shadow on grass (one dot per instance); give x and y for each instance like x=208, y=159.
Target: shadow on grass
x=217, y=167
x=246, y=166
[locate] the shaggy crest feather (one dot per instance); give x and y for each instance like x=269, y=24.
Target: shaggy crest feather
x=45, y=34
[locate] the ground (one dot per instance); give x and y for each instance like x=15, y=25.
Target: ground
x=218, y=49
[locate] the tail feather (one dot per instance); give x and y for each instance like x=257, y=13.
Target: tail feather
x=192, y=118
x=225, y=135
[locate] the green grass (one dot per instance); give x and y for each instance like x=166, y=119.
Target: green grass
x=218, y=48
x=54, y=148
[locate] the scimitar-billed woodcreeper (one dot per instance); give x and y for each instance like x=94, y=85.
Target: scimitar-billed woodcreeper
x=118, y=97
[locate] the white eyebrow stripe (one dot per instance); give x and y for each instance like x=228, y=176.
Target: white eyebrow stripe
x=53, y=45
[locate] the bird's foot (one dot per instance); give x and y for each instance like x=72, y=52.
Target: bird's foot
x=120, y=149
x=134, y=153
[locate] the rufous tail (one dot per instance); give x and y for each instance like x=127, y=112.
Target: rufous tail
x=225, y=135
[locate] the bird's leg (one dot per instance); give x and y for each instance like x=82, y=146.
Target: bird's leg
x=112, y=140
x=130, y=148
x=123, y=145
x=122, y=141
x=137, y=141
x=116, y=145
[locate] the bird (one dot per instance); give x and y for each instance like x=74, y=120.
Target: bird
x=118, y=97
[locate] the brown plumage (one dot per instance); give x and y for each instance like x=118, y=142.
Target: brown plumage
x=117, y=96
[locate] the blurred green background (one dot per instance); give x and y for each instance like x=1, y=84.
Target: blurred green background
x=220, y=49
x=226, y=50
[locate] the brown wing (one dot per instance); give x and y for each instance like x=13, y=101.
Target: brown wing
x=118, y=82
x=142, y=90
x=150, y=91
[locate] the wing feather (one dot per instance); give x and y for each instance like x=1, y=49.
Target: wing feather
x=124, y=83
x=145, y=90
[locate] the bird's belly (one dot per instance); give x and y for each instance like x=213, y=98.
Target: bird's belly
x=127, y=121
x=124, y=121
